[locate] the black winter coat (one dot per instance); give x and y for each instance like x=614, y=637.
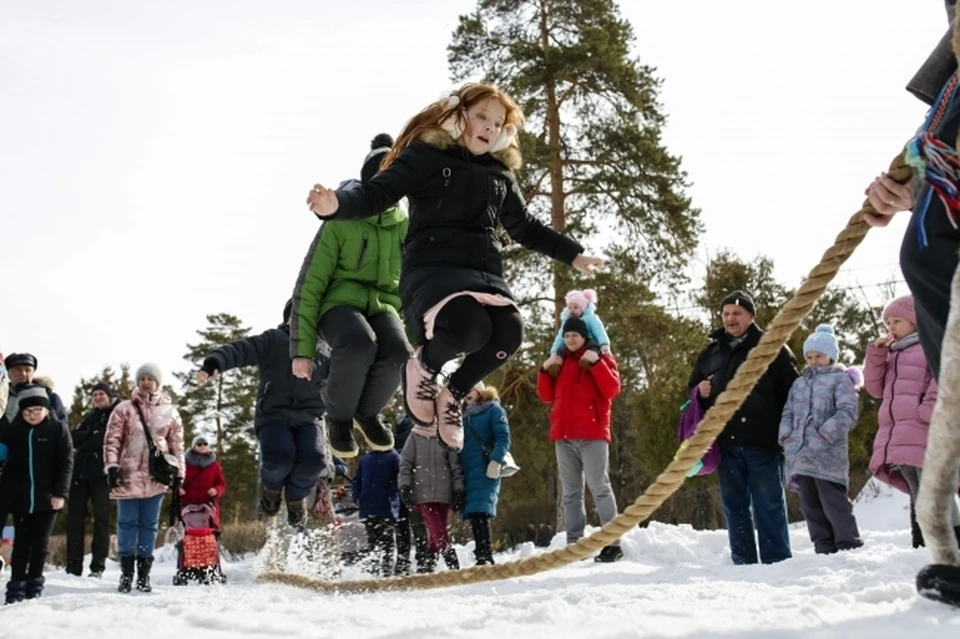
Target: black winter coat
x=457, y=201
x=757, y=422
x=39, y=464
x=281, y=398
x=88, y=443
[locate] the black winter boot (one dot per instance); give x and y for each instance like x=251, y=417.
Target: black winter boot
x=297, y=513
x=340, y=436
x=35, y=587
x=16, y=590
x=450, y=558
x=144, y=564
x=270, y=501
x=609, y=554
x=428, y=563
x=75, y=569
x=126, y=573
x=376, y=433
x=941, y=583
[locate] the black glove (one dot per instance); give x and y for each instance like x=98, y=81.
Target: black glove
x=459, y=500
x=406, y=496
x=113, y=477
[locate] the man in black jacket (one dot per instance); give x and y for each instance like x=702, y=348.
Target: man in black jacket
x=89, y=484
x=751, y=466
x=289, y=415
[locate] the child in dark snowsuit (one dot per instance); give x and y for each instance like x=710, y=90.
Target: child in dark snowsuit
x=289, y=416
x=37, y=474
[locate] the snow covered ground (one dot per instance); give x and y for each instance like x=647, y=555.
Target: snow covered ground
x=674, y=582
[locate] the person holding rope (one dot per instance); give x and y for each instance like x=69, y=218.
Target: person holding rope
x=928, y=260
x=455, y=163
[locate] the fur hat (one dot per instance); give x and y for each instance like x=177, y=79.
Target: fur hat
x=149, y=369
x=380, y=145
x=287, y=310
x=102, y=386
x=479, y=386
x=739, y=298
x=823, y=340
x=901, y=307
x=29, y=395
x=198, y=439
x=20, y=359
x=583, y=298
x=576, y=325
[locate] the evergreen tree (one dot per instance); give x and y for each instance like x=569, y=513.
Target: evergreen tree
x=223, y=409
x=594, y=159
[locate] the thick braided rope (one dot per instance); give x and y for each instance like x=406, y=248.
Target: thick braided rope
x=727, y=403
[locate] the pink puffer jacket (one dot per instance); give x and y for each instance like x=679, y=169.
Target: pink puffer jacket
x=903, y=380
x=125, y=445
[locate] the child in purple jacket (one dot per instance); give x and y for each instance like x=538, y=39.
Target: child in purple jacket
x=822, y=407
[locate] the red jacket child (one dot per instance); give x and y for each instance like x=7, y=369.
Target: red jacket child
x=581, y=394
x=204, y=475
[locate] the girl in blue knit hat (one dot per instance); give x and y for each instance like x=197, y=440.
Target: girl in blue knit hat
x=822, y=407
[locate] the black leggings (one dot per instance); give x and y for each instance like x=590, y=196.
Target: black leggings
x=489, y=335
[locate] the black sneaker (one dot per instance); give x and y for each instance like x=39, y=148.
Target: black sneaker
x=270, y=502
x=609, y=554
x=340, y=436
x=376, y=433
x=940, y=582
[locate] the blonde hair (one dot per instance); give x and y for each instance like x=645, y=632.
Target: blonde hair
x=433, y=115
x=488, y=394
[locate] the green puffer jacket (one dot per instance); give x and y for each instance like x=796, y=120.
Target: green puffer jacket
x=348, y=264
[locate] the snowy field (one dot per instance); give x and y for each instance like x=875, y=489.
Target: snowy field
x=673, y=582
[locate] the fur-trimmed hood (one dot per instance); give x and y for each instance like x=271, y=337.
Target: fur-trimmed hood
x=440, y=139
x=44, y=380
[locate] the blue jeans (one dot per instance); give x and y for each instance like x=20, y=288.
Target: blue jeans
x=137, y=521
x=749, y=475
x=291, y=458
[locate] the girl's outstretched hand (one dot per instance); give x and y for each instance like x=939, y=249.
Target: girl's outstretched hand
x=587, y=263
x=322, y=201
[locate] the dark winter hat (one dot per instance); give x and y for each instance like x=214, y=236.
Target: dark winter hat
x=576, y=325
x=102, y=386
x=152, y=370
x=823, y=341
x=20, y=359
x=739, y=298
x=29, y=395
x=287, y=310
x=379, y=147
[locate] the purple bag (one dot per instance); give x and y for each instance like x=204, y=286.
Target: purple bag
x=692, y=415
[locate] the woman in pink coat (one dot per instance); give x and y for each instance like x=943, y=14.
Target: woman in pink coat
x=897, y=371
x=126, y=460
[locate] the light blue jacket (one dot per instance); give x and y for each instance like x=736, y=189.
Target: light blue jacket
x=594, y=326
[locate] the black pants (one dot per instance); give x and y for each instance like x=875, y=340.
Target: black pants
x=487, y=334
x=367, y=354
x=929, y=272
x=381, y=543
x=31, y=539
x=829, y=515
x=483, y=545
x=82, y=493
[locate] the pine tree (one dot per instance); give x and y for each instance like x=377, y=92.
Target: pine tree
x=224, y=408
x=594, y=158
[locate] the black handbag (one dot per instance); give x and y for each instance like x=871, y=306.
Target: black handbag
x=164, y=468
